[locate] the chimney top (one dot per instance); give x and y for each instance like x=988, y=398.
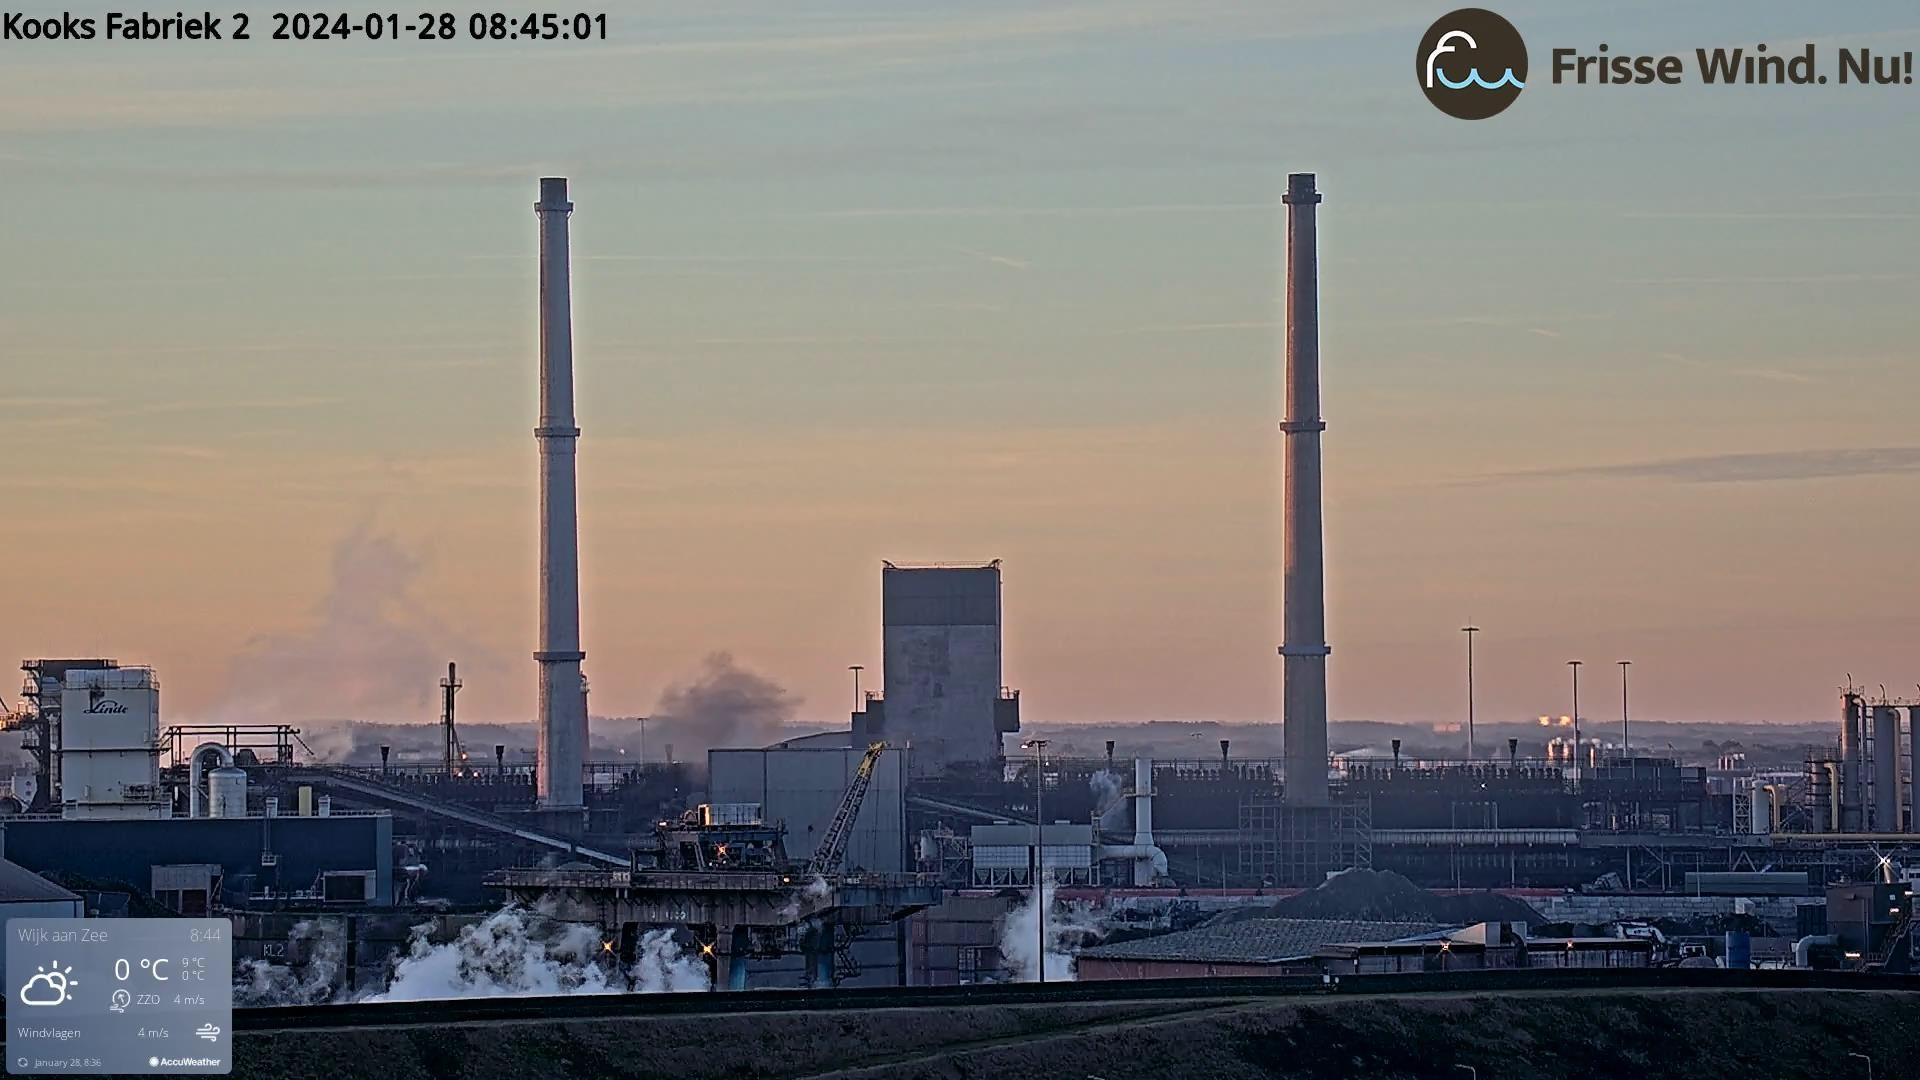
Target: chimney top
x=1300, y=189
x=553, y=193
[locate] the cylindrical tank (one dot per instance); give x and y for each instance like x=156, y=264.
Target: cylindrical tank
x=1913, y=784
x=227, y=793
x=1853, y=762
x=1739, y=950
x=1760, y=814
x=1886, y=769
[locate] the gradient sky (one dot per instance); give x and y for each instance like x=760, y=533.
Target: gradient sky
x=1621, y=373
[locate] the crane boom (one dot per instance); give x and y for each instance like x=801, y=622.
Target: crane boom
x=833, y=843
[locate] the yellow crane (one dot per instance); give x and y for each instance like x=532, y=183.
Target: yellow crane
x=833, y=843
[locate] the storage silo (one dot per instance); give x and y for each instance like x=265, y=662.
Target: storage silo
x=227, y=793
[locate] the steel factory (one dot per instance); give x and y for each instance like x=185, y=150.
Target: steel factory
x=932, y=838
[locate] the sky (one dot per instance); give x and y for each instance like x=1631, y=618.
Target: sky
x=1622, y=373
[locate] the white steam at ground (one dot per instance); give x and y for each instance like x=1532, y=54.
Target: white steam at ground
x=321, y=946
x=512, y=953
x=1068, y=927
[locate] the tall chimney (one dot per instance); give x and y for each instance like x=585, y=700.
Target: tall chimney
x=563, y=697
x=1304, y=651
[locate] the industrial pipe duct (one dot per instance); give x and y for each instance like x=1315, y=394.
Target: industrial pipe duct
x=196, y=776
x=1149, y=861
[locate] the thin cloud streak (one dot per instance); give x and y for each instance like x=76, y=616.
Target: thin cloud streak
x=1740, y=468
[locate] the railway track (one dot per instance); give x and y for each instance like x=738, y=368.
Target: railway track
x=625, y=1006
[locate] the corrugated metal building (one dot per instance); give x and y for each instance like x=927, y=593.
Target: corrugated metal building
x=800, y=782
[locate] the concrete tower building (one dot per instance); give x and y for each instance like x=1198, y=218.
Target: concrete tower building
x=942, y=684
x=562, y=732
x=1304, y=650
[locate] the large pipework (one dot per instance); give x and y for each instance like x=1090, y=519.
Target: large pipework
x=1853, y=779
x=1886, y=769
x=563, y=700
x=1149, y=861
x=1304, y=648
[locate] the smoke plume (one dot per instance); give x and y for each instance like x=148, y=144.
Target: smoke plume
x=370, y=651
x=722, y=705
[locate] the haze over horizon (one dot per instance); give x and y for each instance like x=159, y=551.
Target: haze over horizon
x=1623, y=373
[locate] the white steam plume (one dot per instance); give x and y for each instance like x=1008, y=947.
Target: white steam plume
x=1068, y=928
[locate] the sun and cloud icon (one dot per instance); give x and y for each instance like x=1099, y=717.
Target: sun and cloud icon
x=46, y=987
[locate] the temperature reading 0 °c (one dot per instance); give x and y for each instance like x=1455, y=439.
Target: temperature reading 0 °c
x=123, y=970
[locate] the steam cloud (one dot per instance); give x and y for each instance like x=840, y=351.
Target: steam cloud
x=512, y=953
x=1068, y=928
x=370, y=653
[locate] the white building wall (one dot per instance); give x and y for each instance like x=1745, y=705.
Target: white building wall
x=109, y=744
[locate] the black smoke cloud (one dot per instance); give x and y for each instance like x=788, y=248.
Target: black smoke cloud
x=723, y=704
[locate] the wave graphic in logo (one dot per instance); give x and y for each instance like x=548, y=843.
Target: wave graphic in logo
x=1473, y=79
x=1466, y=42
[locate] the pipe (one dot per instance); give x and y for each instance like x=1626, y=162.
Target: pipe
x=195, y=808
x=1886, y=769
x=1804, y=946
x=1148, y=860
x=1304, y=651
x=563, y=701
x=1143, y=822
x=1833, y=796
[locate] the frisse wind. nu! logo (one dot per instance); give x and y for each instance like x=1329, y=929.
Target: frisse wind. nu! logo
x=1471, y=64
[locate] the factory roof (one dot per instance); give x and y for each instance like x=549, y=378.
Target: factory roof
x=17, y=884
x=1258, y=941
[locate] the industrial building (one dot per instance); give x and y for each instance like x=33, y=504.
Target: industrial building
x=111, y=812
x=942, y=694
x=800, y=783
x=891, y=852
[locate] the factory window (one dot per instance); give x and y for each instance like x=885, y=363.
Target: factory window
x=967, y=963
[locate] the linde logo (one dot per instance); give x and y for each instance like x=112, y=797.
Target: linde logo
x=99, y=702
x=1471, y=64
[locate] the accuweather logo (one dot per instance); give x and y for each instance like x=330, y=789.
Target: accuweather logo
x=1471, y=64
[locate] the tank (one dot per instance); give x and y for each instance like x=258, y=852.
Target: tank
x=227, y=793
x=1739, y=950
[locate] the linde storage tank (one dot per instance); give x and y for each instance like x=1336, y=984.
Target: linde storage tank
x=227, y=793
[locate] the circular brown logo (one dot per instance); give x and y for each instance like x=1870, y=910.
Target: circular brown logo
x=1471, y=63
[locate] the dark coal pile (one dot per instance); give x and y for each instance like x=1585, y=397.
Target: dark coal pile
x=1384, y=896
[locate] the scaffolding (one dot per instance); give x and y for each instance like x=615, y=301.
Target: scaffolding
x=1300, y=845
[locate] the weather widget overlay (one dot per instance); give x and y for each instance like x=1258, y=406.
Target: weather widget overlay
x=119, y=996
